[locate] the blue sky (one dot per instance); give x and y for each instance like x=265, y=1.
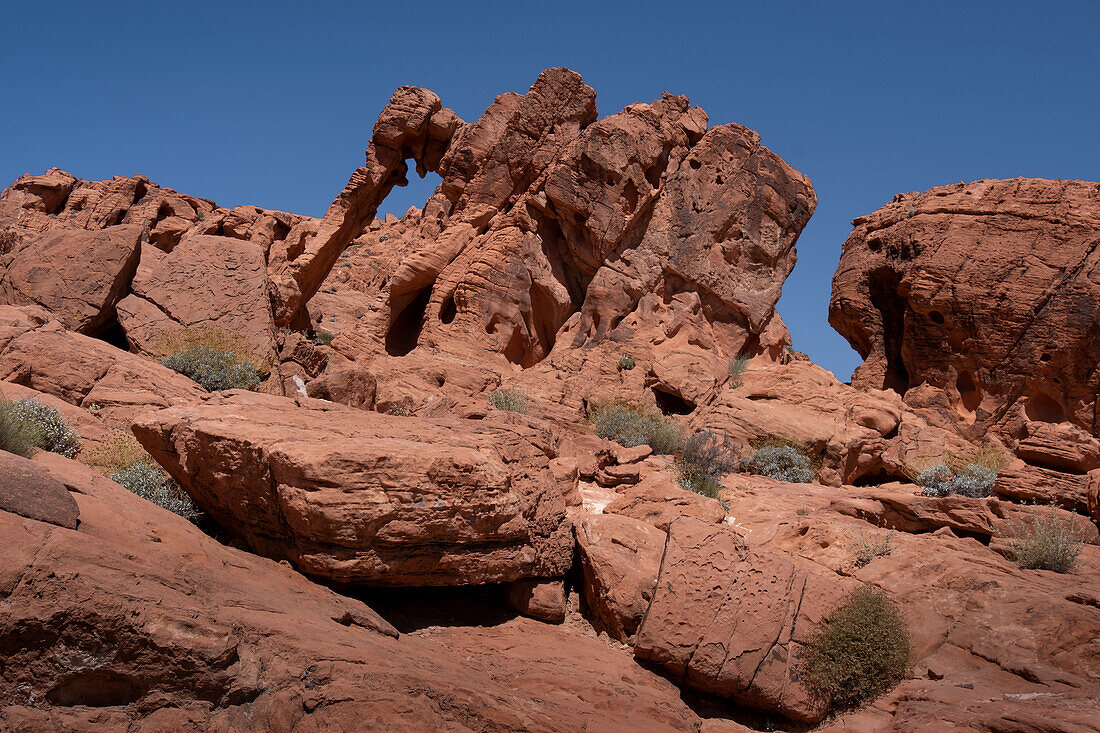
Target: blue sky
x=272, y=103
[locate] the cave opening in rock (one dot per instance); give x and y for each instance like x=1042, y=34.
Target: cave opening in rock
x=672, y=404
x=404, y=331
x=892, y=307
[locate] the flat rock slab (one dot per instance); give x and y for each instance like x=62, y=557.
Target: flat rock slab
x=30, y=491
x=359, y=497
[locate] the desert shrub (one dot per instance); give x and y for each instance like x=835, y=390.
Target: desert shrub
x=152, y=483
x=1048, y=542
x=322, y=338
x=703, y=460
x=633, y=425
x=16, y=434
x=626, y=363
x=214, y=370
x=508, y=400
x=117, y=452
x=974, y=480
x=991, y=457
x=868, y=547
x=860, y=650
x=737, y=368
x=383, y=237
x=782, y=463
x=51, y=431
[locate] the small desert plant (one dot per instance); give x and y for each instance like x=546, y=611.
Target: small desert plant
x=214, y=358
x=988, y=456
x=118, y=452
x=973, y=480
x=737, y=368
x=508, y=400
x=802, y=511
x=383, y=237
x=634, y=425
x=52, y=432
x=626, y=363
x=703, y=460
x=859, y=651
x=16, y=434
x=782, y=463
x=1048, y=542
x=868, y=547
x=149, y=481
x=322, y=338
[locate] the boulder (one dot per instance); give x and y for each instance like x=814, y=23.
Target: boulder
x=620, y=558
x=78, y=275
x=978, y=302
x=359, y=497
x=730, y=620
x=31, y=491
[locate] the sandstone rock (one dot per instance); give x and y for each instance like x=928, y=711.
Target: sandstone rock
x=357, y=497
x=659, y=499
x=540, y=599
x=730, y=620
x=990, y=640
x=30, y=491
x=88, y=372
x=136, y=619
x=77, y=275
x=214, y=282
x=981, y=299
x=895, y=507
x=620, y=558
x=1036, y=485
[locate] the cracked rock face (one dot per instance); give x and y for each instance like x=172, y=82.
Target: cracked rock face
x=980, y=302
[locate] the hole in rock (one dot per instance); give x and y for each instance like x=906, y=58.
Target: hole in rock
x=96, y=688
x=936, y=317
x=404, y=332
x=1044, y=358
x=412, y=609
x=695, y=164
x=891, y=307
x=448, y=311
x=968, y=391
x=113, y=334
x=415, y=192
x=672, y=404
x=140, y=190
x=1041, y=407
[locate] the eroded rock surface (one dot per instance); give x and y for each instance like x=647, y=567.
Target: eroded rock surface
x=979, y=303
x=359, y=497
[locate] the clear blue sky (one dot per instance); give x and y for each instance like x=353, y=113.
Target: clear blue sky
x=272, y=103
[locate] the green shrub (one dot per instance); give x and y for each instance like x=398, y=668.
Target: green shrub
x=53, y=432
x=626, y=363
x=149, y=481
x=508, y=400
x=782, y=463
x=383, y=237
x=214, y=370
x=16, y=434
x=27, y=425
x=1047, y=542
x=703, y=460
x=737, y=368
x=322, y=338
x=633, y=425
x=974, y=480
x=860, y=650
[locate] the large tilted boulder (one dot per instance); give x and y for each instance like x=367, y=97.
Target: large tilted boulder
x=137, y=620
x=979, y=303
x=359, y=497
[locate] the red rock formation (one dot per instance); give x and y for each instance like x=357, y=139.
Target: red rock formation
x=979, y=303
x=357, y=497
x=136, y=619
